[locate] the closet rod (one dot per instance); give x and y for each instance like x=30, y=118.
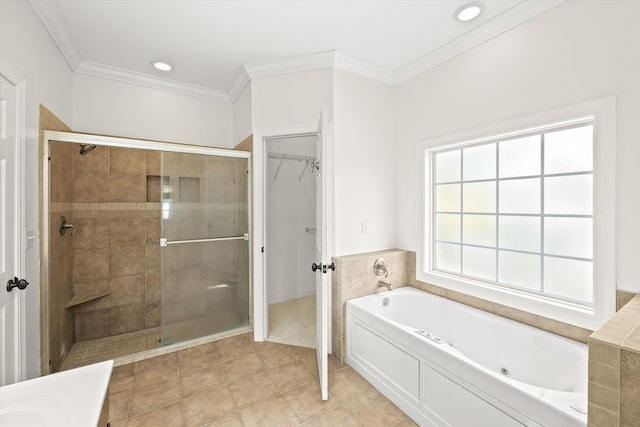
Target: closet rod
x=283, y=156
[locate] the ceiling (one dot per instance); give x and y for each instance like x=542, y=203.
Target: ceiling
x=215, y=46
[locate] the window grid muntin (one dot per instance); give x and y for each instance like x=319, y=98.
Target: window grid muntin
x=497, y=214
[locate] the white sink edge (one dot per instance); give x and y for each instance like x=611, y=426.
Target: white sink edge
x=77, y=394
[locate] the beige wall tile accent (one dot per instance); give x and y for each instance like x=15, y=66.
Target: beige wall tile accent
x=606, y=398
x=604, y=375
x=92, y=325
x=604, y=354
x=61, y=325
x=127, y=188
x=599, y=417
x=91, y=233
x=245, y=145
x=630, y=388
x=91, y=187
x=126, y=318
x=127, y=289
x=632, y=341
x=127, y=161
x=622, y=298
x=127, y=231
x=614, y=369
x=126, y=261
x=564, y=329
x=152, y=286
x=96, y=161
x=90, y=264
x=153, y=159
x=354, y=278
x=152, y=314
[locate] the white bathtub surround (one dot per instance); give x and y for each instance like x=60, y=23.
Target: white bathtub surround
x=73, y=398
x=432, y=356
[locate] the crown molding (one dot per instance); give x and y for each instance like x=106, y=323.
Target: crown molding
x=500, y=24
x=146, y=80
x=367, y=69
x=316, y=61
x=49, y=14
x=238, y=84
x=313, y=61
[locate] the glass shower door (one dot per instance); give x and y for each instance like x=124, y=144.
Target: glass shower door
x=204, y=245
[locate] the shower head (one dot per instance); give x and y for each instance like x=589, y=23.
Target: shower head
x=85, y=148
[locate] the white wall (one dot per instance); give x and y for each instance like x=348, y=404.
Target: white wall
x=364, y=149
x=122, y=109
x=26, y=45
x=242, y=115
x=291, y=208
x=579, y=51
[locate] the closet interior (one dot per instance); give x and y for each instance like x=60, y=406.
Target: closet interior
x=291, y=168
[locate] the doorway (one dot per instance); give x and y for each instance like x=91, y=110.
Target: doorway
x=290, y=229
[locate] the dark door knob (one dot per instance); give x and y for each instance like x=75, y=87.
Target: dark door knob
x=315, y=266
x=15, y=283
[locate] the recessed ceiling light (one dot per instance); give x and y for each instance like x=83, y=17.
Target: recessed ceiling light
x=162, y=66
x=469, y=11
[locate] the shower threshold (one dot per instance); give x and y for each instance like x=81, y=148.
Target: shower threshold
x=129, y=347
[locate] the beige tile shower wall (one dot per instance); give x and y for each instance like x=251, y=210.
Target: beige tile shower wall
x=116, y=248
x=60, y=251
x=61, y=336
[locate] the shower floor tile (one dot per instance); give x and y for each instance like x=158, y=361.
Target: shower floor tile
x=87, y=352
x=94, y=351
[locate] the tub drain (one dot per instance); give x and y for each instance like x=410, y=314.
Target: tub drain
x=505, y=371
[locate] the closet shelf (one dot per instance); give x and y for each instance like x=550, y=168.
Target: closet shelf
x=81, y=299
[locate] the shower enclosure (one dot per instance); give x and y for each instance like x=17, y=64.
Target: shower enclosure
x=204, y=245
x=160, y=252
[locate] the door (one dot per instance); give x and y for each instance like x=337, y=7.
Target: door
x=323, y=274
x=11, y=302
x=204, y=256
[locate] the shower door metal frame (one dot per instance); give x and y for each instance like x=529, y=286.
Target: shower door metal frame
x=111, y=141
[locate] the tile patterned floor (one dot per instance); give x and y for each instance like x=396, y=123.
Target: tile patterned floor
x=237, y=382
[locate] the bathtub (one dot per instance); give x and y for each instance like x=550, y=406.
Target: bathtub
x=447, y=364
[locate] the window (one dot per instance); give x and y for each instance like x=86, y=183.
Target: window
x=515, y=216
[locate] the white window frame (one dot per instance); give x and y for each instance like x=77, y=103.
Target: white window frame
x=589, y=316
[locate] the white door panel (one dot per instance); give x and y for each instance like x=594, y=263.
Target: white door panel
x=11, y=302
x=323, y=274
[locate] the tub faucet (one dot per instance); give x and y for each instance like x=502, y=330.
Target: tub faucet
x=383, y=284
